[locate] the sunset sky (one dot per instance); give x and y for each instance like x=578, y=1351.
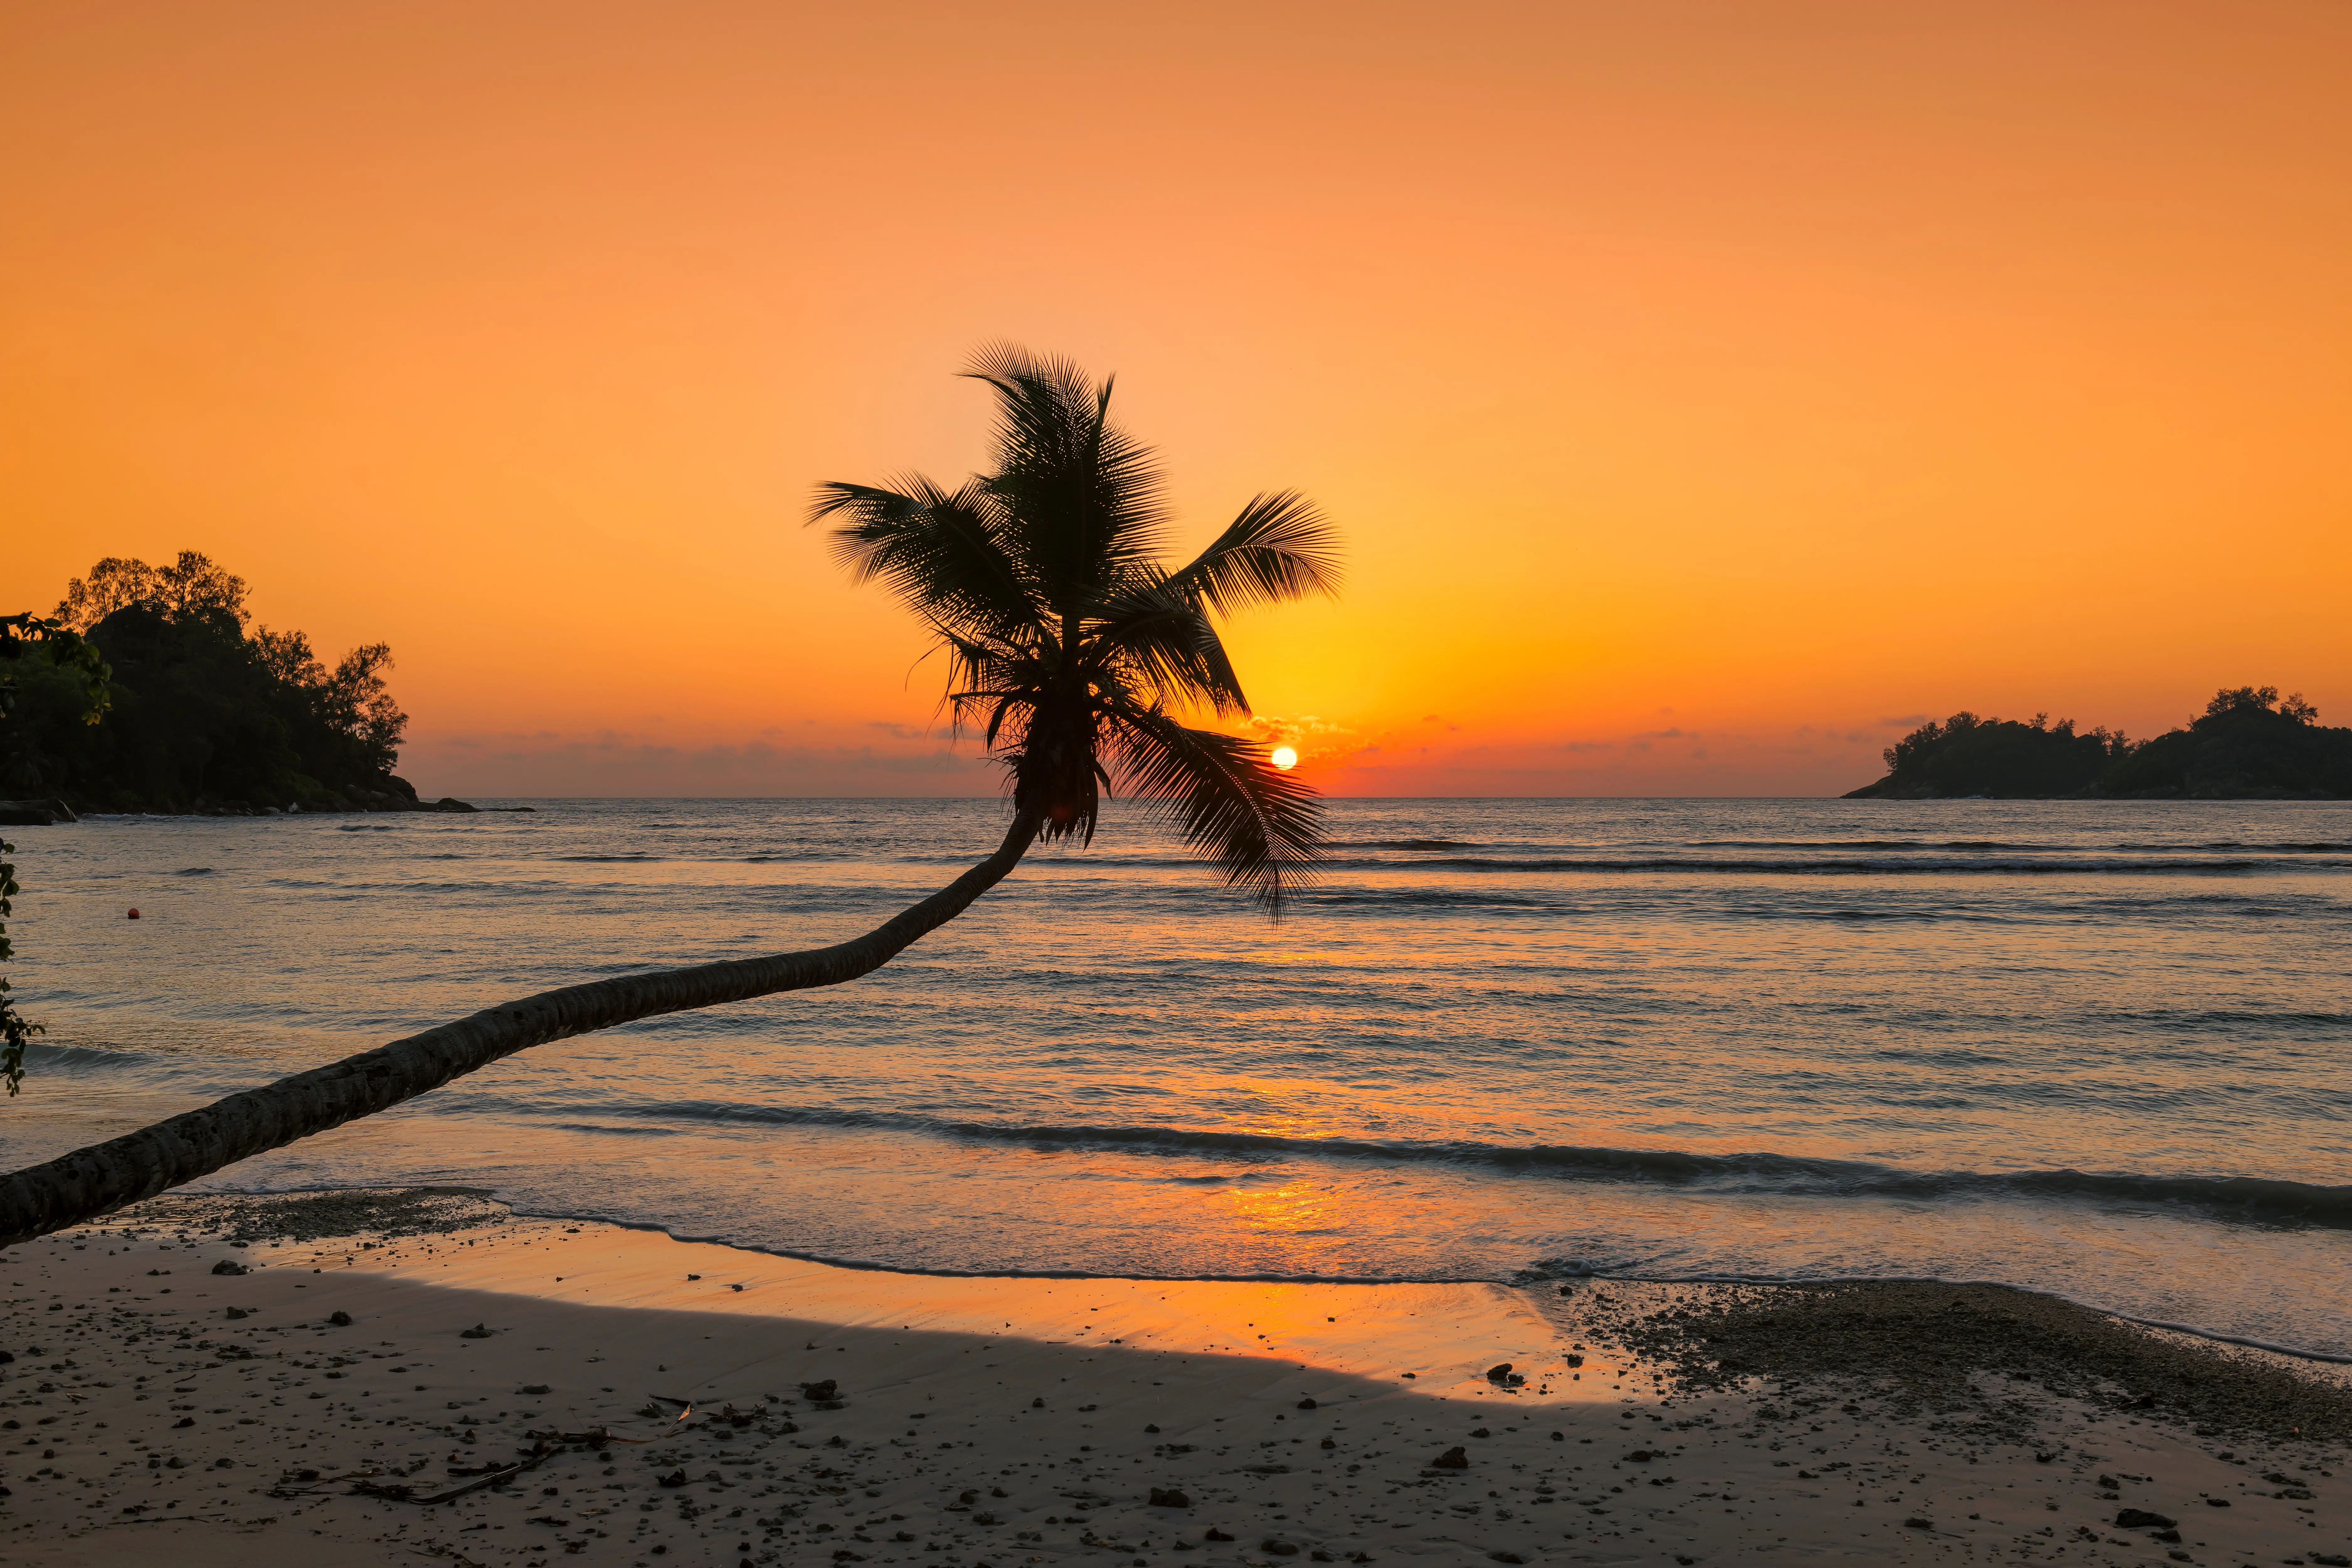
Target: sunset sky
x=1707, y=393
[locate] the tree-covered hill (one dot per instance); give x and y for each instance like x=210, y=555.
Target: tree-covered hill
x=200, y=715
x=2248, y=744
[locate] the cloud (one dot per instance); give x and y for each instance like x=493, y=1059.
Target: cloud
x=617, y=764
x=1321, y=742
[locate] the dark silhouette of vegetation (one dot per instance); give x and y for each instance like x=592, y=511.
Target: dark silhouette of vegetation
x=43, y=646
x=2248, y=744
x=1069, y=646
x=1966, y=755
x=17, y=1031
x=199, y=715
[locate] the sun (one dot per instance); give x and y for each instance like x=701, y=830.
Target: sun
x=1285, y=758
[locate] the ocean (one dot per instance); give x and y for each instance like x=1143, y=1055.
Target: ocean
x=2098, y=1049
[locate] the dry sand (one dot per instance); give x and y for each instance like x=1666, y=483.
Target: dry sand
x=1023, y=1422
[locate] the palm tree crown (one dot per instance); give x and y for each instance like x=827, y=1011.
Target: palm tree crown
x=1071, y=649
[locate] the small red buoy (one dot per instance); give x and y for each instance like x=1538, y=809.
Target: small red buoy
x=135, y=914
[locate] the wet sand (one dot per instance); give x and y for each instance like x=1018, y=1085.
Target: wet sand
x=668, y=1400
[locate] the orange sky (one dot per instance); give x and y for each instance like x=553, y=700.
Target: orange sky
x=1707, y=392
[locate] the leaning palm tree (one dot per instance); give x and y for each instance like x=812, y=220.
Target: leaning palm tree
x=1070, y=650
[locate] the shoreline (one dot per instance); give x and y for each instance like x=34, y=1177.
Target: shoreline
x=53, y=812
x=1698, y=1282
x=1701, y=1423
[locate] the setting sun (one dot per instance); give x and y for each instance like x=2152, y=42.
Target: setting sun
x=1285, y=758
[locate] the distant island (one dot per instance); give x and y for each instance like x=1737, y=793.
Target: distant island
x=2248, y=744
x=199, y=717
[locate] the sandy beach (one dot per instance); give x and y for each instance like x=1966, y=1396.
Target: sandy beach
x=517, y=1390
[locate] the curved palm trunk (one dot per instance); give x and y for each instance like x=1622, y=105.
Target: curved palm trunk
x=103, y=1177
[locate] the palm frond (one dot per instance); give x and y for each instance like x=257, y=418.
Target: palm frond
x=1091, y=499
x=941, y=552
x=1259, y=825
x=1279, y=548
x=1151, y=638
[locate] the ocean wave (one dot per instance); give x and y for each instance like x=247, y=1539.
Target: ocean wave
x=2029, y=847
x=1865, y=844
x=84, y=1058
x=2063, y=863
x=205, y=1076
x=1852, y=914
x=2286, y=848
x=1331, y=898
x=2250, y=1198
x=640, y=857
x=2200, y=1020
x=503, y=887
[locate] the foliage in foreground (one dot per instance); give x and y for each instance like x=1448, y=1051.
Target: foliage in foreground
x=2249, y=744
x=17, y=1031
x=42, y=645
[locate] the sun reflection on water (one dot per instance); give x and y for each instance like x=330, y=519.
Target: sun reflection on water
x=1297, y=1208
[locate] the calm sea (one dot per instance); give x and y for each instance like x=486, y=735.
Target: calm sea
x=2094, y=1049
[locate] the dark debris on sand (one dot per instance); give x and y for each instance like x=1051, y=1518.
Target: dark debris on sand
x=377, y=1213
x=1924, y=1343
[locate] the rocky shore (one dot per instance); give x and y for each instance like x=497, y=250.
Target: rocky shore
x=51, y=812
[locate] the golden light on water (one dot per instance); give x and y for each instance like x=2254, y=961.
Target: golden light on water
x=1285, y=758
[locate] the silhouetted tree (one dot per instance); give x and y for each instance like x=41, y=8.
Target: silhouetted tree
x=200, y=715
x=192, y=585
x=1967, y=755
x=2249, y=743
x=1071, y=649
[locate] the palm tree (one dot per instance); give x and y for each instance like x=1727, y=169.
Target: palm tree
x=1069, y=649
